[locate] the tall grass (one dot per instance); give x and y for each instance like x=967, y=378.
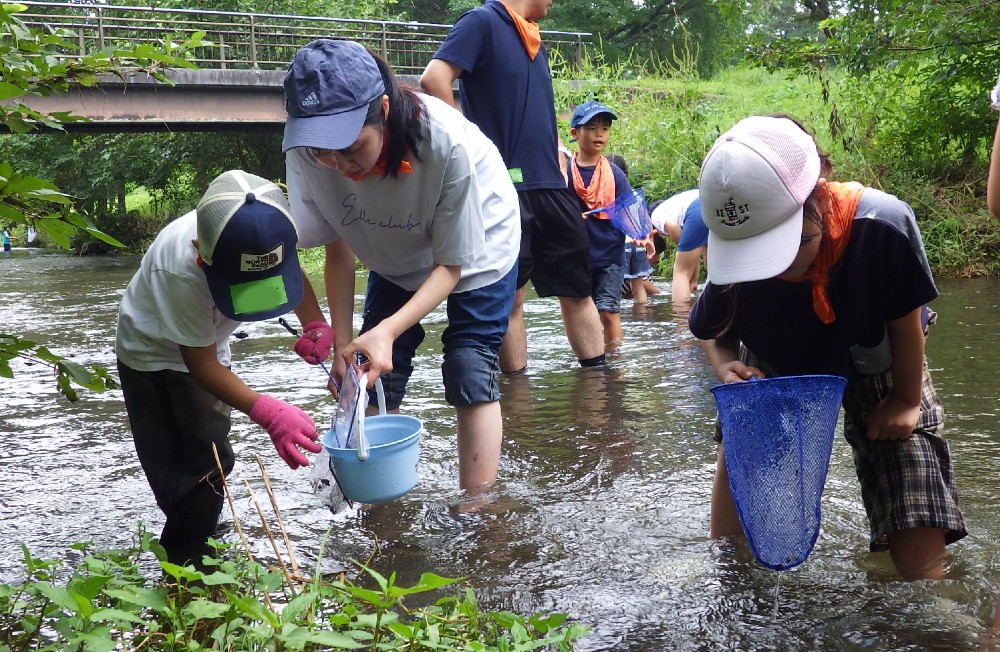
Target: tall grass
x=669, y=118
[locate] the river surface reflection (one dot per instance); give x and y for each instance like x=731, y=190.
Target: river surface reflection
x=602, y=510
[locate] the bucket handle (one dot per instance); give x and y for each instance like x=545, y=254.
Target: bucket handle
x=360, y=424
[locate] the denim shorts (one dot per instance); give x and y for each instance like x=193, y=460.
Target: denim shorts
x=607, y=287
x=636, y=263
x=477, y=322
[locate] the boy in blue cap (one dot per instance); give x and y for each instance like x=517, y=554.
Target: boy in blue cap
x=598, y=182
x=231, y=260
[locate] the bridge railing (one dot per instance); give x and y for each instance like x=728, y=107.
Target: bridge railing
x=255, y=41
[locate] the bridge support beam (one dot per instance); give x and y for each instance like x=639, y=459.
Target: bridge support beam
x=199, y=100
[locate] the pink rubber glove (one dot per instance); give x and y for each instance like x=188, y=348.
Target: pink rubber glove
x=314, y=344
x=288, y=427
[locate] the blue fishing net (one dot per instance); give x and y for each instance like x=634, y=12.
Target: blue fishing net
x=778, y=436
x=630, y=215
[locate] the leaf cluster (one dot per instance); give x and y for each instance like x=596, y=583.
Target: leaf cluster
x=46, y=62
x=237, y=604
x=66, y=372
x=916, y=82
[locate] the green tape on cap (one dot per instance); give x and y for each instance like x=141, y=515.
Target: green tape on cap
x=258, y=296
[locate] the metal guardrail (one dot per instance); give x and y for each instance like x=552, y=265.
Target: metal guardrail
x=255, y=41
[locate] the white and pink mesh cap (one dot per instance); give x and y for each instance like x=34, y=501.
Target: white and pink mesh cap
x=753, y=184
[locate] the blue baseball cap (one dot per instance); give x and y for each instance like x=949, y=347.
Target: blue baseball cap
x=588, y=111
x=247, y=244
x=328, y=88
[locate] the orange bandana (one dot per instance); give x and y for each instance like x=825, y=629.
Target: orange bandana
x=844, y=198
x=601, y=191
x=379, y=168
x=529, y=32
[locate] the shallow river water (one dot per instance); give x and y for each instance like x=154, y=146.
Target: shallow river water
x=602, y=506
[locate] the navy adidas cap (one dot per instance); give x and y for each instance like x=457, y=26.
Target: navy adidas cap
x=328, y=88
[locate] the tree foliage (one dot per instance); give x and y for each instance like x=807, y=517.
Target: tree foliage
x=918, y=75
x=34, y=62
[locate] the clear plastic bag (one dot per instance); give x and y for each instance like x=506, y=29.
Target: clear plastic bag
x=350, y=407
x=325, y=486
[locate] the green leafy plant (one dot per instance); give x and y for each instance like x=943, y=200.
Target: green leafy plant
x=66, y=372
x=233, y=602
x=37, y=62
x=236, y=603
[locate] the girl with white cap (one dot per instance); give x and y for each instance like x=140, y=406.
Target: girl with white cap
x=810, y=276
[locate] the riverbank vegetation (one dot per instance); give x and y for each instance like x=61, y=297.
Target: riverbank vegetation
x=895, y=91
x=907, y=114
x=108, y=601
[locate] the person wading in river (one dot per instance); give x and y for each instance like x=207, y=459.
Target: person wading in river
x=418, y=194
x=232, y=260
x=810, y=276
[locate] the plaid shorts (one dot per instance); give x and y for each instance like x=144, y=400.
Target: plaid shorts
x=904, y=484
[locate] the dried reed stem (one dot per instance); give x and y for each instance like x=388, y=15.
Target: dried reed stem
x=277, y=513
x=267, y=529
x=236, y=519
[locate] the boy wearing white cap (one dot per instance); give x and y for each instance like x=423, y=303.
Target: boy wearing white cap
x=231, y=260
x=809, y=276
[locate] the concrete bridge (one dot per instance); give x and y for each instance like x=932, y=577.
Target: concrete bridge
x=238, y=84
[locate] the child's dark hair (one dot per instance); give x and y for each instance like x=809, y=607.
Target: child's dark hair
x=618, y=160
x=405, y=119
x=659, y=243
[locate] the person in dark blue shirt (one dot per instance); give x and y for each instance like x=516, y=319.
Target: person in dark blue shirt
x=597, y=182
x=496, y=53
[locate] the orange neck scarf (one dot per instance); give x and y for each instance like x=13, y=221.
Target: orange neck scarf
x=601, y=191
x=529, y=32
x=844, y=198
x=379, y=168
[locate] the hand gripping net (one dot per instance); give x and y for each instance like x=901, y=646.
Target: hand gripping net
x=778, y=436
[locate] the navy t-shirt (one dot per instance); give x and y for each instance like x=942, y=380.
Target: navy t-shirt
x=883, y=275
x=508, y=95
x=607, y=244
x=694, y=233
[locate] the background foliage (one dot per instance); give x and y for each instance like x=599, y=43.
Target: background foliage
x=894, y=89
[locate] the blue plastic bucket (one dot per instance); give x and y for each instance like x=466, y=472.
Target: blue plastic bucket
x=390, y=470
x=778, y=436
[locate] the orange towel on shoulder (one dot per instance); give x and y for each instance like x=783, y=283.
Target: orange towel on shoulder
x=844, y=198
x=601, y=191
x=529, y=32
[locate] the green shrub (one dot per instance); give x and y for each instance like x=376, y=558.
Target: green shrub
x=238, y=604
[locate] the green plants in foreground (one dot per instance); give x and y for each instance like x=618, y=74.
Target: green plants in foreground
x=237, y=604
